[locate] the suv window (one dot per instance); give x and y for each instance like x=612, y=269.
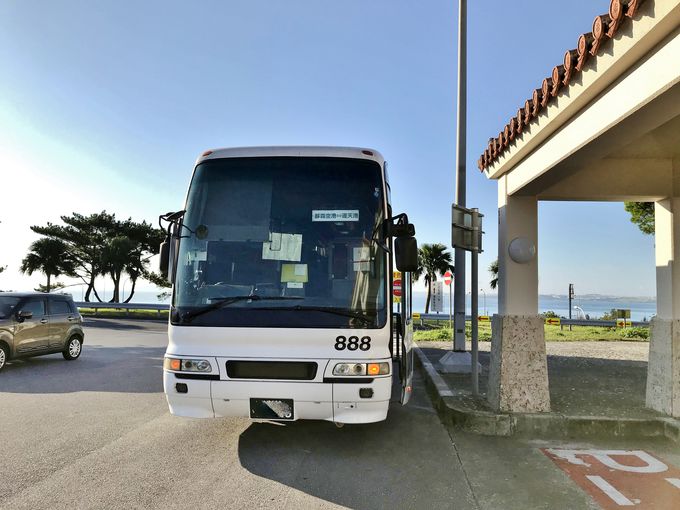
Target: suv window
x=59, y=307
x=37, y=306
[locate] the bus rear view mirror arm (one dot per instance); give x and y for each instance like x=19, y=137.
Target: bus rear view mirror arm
x=398, y=226
x=405, y=244
x=168, y=249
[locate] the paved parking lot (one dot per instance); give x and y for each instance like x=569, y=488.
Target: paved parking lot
x=96, y=433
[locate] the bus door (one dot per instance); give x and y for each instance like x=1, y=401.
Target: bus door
x=406, y=347
x=403, y=338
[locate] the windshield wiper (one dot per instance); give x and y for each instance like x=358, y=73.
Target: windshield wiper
x=334, y=310
x=226, y=301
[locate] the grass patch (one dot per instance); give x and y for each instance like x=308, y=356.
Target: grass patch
x=113, y=313
x=552, y=333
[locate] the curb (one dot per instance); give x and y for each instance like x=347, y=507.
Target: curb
x=536, y=425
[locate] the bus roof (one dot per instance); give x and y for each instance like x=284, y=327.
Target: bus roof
x=293, y=151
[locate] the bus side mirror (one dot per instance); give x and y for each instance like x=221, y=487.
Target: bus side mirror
x=406, y=254
x=164, y=257
x=168, y=258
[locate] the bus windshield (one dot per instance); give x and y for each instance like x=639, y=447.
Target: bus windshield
x=283, y=242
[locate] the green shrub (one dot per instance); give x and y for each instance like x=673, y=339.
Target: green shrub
x=433, y=334
x=635, y=333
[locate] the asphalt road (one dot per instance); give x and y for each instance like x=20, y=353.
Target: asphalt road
x=96, y=433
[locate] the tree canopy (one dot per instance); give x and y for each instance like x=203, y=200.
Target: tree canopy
x=493, y=269
x=51, y=257
x=101, y=245
x=642, y=214
x=433, y=260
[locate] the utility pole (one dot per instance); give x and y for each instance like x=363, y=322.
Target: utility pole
x=571, y=298
x=474, y=305
x=459, y=360
x=461, y=143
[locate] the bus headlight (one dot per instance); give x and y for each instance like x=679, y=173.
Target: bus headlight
x=187, y=365
x=350, y=369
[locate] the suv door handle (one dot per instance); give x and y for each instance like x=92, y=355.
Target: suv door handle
x=43, y=321
x=70, y=318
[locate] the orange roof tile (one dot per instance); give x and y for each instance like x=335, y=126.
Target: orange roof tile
x=604, y=27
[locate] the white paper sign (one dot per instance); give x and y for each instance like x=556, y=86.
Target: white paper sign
x=335, y=215
x=437, y=301
x=283, y=247
x=361, y=258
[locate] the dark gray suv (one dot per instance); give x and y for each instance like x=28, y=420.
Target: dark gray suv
x=33, y=324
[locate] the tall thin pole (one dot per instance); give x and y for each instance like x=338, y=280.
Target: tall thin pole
x=571, y=290
x=475, y=312
x=450, y=307
x=459, y=254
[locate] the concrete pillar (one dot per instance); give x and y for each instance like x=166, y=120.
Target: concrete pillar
x=663, y=372
x=518, y=374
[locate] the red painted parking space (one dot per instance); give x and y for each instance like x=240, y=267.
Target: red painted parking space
x=621, y=478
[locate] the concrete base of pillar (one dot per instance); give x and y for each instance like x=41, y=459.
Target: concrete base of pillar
x=456, y=362
x=663, y=369
x=518, y=373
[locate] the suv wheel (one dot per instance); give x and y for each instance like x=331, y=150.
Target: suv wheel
x=3, y=356
x=73, y=348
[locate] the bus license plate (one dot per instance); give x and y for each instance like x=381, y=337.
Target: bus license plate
x=271, y=408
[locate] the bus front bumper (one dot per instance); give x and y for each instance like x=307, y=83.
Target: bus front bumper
x=337, y=402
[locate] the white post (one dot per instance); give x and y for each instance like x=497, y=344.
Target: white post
x=518, y=372
x=663, y=369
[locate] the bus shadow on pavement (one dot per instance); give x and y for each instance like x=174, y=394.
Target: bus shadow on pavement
x=106, y=369
x=406, y=461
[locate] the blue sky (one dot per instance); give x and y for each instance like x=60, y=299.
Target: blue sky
x=105, y=105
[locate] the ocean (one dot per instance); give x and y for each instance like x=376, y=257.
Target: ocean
x=592, y=305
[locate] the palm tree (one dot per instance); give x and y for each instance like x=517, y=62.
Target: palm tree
x=48, y=256
x=433, y=259
x=493, y=269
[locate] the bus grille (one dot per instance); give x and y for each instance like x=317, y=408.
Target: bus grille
x=282, y=370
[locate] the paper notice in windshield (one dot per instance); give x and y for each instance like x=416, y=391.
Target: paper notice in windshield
x=283, y=247
x=296, y=273
x=362, y=258
x=335, y=215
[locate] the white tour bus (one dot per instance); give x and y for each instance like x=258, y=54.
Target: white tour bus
x=282, y=299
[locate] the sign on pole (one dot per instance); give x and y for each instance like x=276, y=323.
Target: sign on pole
x=437, y=298
x=396, y=287
x=448, y=278
x=466, y=228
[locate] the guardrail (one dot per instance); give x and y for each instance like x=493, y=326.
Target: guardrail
x=159, y=307
x=96, y=306
x=563, y=322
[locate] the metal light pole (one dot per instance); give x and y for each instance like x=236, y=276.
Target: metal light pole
x=475, y=325
x=459, y=253
x=484, y=294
